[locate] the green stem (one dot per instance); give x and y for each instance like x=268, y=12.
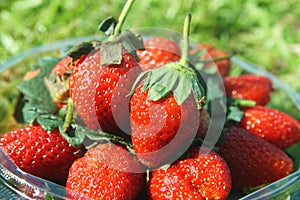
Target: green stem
x=69, y=116
x=186, y=32
x=121, y=19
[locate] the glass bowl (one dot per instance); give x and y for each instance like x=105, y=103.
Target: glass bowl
x=16, y=184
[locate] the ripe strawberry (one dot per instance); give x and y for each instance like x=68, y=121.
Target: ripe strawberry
x=46, y=155
x=158, y=51
x=154, y=124
x=201, y=49
x=64, y=65
x=204, y=175
x=273, y=125
x=99, y=92
x=106, y=171
x=204, y=122
x=252, y=87
x=103, y=76
x=221, y=60
x=164, y=111
x=252, y=160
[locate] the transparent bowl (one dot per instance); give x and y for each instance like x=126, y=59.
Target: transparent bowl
x=16, y=184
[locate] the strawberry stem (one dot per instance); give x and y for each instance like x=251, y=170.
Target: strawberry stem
x=186, y=32
x=185, y=67
x=69, y=116
x=121, y=19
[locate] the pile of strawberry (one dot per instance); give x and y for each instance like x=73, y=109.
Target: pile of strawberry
x=125, y=118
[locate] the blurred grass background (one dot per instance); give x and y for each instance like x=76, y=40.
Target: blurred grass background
x=264, y=32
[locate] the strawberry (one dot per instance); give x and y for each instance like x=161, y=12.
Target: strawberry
x=273, y=125
x=204, y=175
x=204, y=122
x=43, y=154
x=158, y=51
x=106, y=171
x=101, y=80
x=220, y=59
x=99, y=92
x=252, y=160
x=252, y=87
x=64, y=65
x=201, y=48
x=164, y=110
x=154, y=124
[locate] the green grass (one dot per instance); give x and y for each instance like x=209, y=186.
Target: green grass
x=264, y=32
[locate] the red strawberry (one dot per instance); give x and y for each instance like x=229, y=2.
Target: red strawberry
x=252, y=160
x=204, y=122
x=103, y=77
x=201, y=48
x=154, y=124
x=252, y=87
x=158, y=51
x=273, y=125
x=62, y=66
x=221, y=60
x=99, y=92
x=205, y=175
x=106, y=171
x=164, y=111
x=46, y=155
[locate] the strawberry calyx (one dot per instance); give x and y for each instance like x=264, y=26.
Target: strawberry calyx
x=77, y=134
x=58, y=88
x=177, y=77
x=111, y=48
x=35, y=104
x=235, y=110
x=82, y=48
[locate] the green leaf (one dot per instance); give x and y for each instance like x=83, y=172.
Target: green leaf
x=74, y=137
x=138, y=80
x=81, y=49
x=111, y=50
x=108, y=25
x=170, y=78
x=111, y=53
x=294, y=152
x=147, y=82
x=78, y=134
x=157, y=92
x=34, y=88
x=132, y=42
x=36, y=103
x=182, y=91
x=49, y=121
x=46, y=64
x=161, y=86
x=234, y=114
